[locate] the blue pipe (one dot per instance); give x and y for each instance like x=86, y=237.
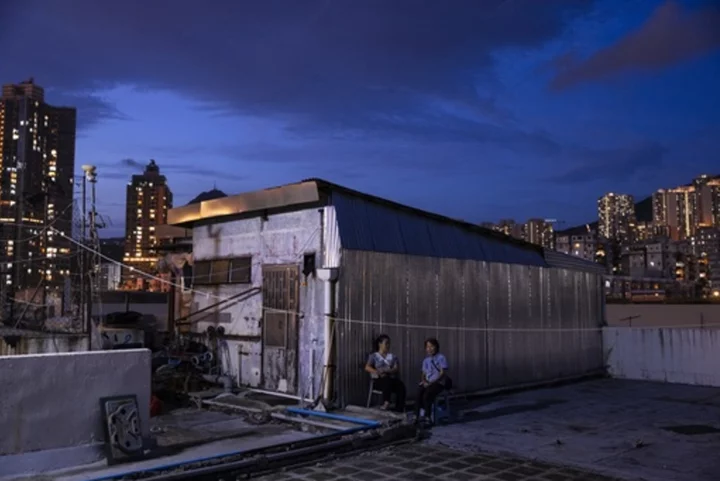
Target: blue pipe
x=337, y=417
x=365, y=424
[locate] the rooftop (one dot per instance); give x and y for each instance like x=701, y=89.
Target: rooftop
x=630, y=430
x=627, y=429
x=371, y=223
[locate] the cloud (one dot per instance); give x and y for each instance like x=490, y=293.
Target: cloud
x=126, y=168
x=671, y=35
x=91, y=109
x=316, y=65
x=594, y=165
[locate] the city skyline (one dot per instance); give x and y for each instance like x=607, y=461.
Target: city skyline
x=37, y=161
x=510, y=226
x=517, y=111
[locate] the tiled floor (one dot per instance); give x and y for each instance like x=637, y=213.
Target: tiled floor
x=419, y=462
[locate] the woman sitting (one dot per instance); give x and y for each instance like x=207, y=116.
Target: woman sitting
x=433, y=379
x=383, y=366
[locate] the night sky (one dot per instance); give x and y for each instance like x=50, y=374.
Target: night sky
x=478, y=109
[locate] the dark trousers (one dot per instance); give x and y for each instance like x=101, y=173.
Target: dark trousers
x=390, y=386
x=426, y=397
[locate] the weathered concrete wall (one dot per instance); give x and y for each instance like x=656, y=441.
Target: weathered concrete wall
x=44, y=344
x=51, y=401
x=685, y=356
x=280, y=239
x=662, y=315
x=159, y=310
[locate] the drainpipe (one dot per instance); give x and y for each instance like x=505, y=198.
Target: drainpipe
x=225, y=381
x=328, y=275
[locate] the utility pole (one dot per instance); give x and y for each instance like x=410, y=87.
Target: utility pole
x=88, y=271
x=81, y=258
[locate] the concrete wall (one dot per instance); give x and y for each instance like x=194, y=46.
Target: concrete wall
x=280, y=239
x=159, y=310
x=44, y=343
x=663, y=315
x=51, y=401
x=685, y=356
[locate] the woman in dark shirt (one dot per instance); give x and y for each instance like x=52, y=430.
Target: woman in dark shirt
x=384, y=367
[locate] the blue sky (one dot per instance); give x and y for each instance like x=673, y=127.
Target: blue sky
x=479, y=110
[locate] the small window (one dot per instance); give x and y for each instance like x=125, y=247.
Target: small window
x=220, y=271
x=241, y=270
x=201, y=273
x=223, y=271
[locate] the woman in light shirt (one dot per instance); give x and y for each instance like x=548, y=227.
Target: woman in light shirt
x=433, y=379
x=384, y=367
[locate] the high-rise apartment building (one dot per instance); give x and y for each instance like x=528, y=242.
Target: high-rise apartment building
x=706, y=247
x=148, y=201
x=675, y=210
x=616, y=217
x=707, y=203
x=658, y=258
x=539, y=232
x=511, y=228
x=37, y=164
x=682, y=210
x=584, y=246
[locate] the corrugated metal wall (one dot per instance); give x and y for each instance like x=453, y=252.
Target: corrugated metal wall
x=460, y=302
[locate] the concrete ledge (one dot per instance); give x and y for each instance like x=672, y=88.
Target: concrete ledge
x=51, y=401
x=682, y=355
x=37, y=462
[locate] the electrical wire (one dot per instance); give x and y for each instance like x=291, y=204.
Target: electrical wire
x=386, y=324
x=43, y=230
x=41, y=259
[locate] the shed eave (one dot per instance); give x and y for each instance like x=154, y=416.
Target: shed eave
x=259, y=201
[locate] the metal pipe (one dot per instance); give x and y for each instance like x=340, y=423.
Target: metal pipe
x=83, y=254
x=336, y=417
x=312, y=369
x=92, y=270
x=323, y=254
x=328, y=276
x=224, y=380
x=309, y=422
x=287, y=449
x=234, y=407
x=280, y=394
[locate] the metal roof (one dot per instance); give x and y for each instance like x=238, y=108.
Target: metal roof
x=371, y=223
x=565, y=261
x=372, y=226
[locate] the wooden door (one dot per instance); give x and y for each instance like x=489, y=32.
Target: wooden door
x=280, y=327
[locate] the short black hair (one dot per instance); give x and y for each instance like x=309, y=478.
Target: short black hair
x=434, y=342
x=380, y=339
